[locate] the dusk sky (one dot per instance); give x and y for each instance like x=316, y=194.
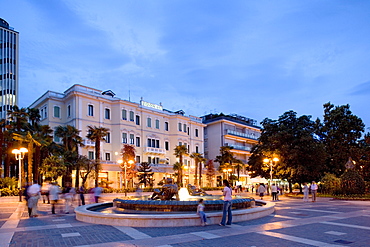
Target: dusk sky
x=254, y=58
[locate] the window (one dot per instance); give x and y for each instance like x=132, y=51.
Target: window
x=90, y=110
x=149, y=143
x=196, y=149
x=91, y=155
x=157, y=124
x=137, y=141
x=149, y=160
x=149, y=122
x=46, y=112
x=180, y=127
x=57, y=111
x=157, y=160
x=132, y=139
x=107, y=138
x=107, y=156
x=42, y=113
x=153, y=143
x=56, y=138
x=137, y=120
x=138, y=159
x=166, y=145
x=124, y=114
x=157, y=143
x=132, y=115
x=185, y=128
x=180, y=143
x=124, y=137
x=196, y=133
x=69, y=111
x=166, y=126
x=107, y=113
x=188, y=131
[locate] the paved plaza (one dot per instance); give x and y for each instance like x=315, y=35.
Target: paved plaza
x=295, y=223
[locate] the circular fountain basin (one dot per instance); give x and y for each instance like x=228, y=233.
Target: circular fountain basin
x=96, y=213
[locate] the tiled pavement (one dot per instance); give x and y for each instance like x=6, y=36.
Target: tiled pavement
x=295, y=223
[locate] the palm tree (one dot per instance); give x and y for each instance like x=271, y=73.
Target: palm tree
x=42, y=134
x=128, y=153
x=197, y=157
x=225, y=158
x=71, y=141
x=180, y=151
x=18, y=117
x=53, y=167
x=97, y=134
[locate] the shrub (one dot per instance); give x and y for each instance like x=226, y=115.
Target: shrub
x=331, y=184
x=352, y=183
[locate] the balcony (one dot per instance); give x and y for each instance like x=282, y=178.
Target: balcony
x=240, y=134
x=155, y=150
x=238, y=147
x=88, y=142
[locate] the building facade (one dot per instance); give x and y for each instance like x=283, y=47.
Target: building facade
x=153, y=130
x=9, y=61
x=236, y=131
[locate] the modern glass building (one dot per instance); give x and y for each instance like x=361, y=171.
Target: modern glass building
x=8, y=68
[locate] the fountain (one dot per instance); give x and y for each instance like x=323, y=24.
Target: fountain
x=169, y=207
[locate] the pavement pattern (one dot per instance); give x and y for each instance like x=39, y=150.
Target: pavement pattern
x=294, y=223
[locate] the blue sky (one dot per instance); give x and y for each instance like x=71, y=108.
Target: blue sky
x=253, y=58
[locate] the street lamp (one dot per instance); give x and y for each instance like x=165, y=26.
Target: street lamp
x=270, y=163
x=124, y=166
x=19, y=155
x=227, y=171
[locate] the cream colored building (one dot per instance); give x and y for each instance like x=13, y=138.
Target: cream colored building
x=153, y=130
x=235, y=131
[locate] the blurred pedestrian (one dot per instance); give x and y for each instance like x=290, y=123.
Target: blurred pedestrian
x=45, y=191
x=34, y=194
x=261, y=190
x=97, y=193
x=68, y=194
x=274, y=192
x=81, y=191
x=54, y=195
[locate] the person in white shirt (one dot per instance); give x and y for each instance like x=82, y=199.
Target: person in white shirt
x=54, y=195
x=305, y=192
x=313, y=188
x=261, y=190
x=227, y=192
x=274, y=192
x=34, y=194
x=200, y=212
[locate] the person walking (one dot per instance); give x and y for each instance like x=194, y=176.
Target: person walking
x=305, y=192
x=313, y=188
x=261, y=190
x=81, y=191
x=54, y=195
x=68, y=196
x=200, y=212
x=97, y=193
x=227, y=192
x=45, y=192
x=34, y=194
x=274, y=192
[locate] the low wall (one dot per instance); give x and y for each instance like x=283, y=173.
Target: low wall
x=167, y=220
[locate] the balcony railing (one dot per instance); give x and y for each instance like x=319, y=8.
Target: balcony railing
x=246, y=135
x=155, y=150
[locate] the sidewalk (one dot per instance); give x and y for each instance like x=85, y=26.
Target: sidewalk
x=295, y=223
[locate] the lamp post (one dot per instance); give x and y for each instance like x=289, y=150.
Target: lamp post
x=19, y=155
x=270, y=163
x=124, y=166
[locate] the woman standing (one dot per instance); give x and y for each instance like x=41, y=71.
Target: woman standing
x=227, y=204
x=261, y=190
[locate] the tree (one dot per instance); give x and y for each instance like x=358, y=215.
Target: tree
x=210, y=172
x=86, y=167
x=198, y=159
x=97, y=135
x=294, y=141
x=18, y=118
x=128, y=153
x=340, y=132
x=145, y=175
x=226, y=158
x=180, y=152
x=53, y=167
